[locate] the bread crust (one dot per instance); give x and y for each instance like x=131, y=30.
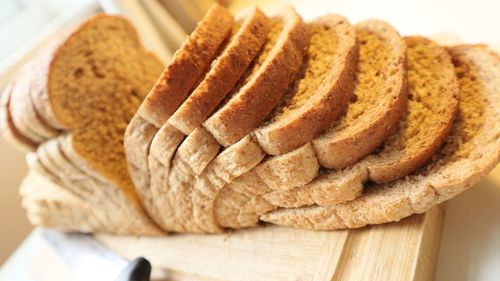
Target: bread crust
x=248, y=108
x=338, y=152
x=330, y=98
x=9, y=131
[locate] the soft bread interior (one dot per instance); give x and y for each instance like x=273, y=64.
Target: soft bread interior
x=96, y=84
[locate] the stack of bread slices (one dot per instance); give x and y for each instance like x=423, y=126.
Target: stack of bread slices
x=320, y=125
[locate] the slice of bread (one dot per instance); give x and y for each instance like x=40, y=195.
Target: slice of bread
x=180, y=77
x=433, y=94
x=320, y=92
x=187, y=67
x=379, y=102
x=224, y=73
x=264, y=84
x=9, y=131
x=24, y=115
x=470, y=152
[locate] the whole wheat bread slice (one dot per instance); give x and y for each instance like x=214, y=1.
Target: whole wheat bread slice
x=182, y=74
x=320, y=92
x=470, y=152
x=224, y=73
x=176, y=179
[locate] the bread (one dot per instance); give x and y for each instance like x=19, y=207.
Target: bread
x=287, y=172
x=182, y=75
x=188, y=65
x=9, y=131
x=433, y=94
x=50, y=205
x=319, y=93
x=380, y=98
x=102, y=55
x=181, y=174
x=225, y=72
x=24, y=115
x=470, y=152
x=264, y=84
x=432, y=104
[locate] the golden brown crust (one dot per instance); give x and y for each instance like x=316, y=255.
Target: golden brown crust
x=224, y=73
x=329, y=100
x=187, y=66
x=248, y=108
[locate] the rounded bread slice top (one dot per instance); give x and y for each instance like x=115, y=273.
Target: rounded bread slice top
x=471, y=151
x=379, y=98
x=187, y=67
x=432, y=103
x=320, y=92
x=244, y=45
x=261, y=89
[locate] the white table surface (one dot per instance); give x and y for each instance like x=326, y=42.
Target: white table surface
x=470, y=247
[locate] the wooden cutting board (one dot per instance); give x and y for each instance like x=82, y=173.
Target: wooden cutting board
x=401, y=251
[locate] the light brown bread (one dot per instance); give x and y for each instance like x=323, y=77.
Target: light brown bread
x=224, y=73
x=50, y=205
x=265, y=82
x=95, y=78
x=470, y=152
x=319, y=93
x=176, y=82
x=9, y=131
x=185, y=172
x=189, y=64
x=380, y=98
x=24, y=114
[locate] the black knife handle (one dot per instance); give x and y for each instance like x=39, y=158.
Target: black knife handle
x=137, y=270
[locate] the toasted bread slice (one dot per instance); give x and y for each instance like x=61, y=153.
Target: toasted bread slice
x=433, y=94
x=471, y=151
x=225, y=72
x=380, y=98
x=265, y=82
x=320, y=92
